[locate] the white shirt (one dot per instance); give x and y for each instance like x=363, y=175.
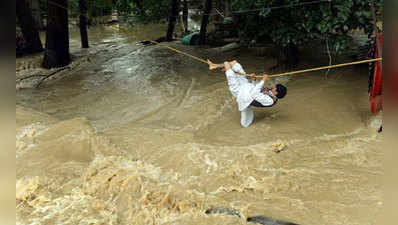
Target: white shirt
x=245, y=92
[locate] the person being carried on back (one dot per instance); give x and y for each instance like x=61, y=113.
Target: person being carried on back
x=248, y=93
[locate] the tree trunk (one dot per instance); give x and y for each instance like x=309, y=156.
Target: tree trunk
x=35, y=6
x=288, y=56
x=205, y=21
x=185, y=15
x=57, y=35
x=28, y=27
x=172, y=19
x=83, y=23
x=228, y=10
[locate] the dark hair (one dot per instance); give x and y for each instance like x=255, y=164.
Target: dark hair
x=282, y=90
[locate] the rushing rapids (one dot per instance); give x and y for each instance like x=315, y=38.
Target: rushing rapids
x=141, y=135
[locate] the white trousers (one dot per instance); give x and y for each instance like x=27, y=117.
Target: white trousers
x=247, y=117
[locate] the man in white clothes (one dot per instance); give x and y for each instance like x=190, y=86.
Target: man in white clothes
x=248, y=93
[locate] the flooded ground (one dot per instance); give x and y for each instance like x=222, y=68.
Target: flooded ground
x=142, y=135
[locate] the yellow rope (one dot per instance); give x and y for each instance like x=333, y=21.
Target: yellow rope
x=178, y=51
x=275, y=75
x=326, y=67
x=280, y=74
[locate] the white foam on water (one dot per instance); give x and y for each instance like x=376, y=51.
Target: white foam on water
x=167, y=145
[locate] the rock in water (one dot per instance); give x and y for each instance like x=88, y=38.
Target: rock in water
x=267, y=221
x=232, y=212
x=257, y=219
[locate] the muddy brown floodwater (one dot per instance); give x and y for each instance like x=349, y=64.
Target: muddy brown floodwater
x=142, y=135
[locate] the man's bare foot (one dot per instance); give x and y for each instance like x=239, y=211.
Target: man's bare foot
x=212, y=66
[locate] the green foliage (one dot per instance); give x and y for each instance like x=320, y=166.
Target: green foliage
x=73, y=6
x=300, y=25
x=99, y=7
x=145, y=10
x=150, y=10
x=124, y=7
x=95, y=7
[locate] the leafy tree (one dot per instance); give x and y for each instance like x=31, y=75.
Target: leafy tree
x=99, y=7
x=154, y=9
x=297, y=25
x=123, y=7
x=144, y=10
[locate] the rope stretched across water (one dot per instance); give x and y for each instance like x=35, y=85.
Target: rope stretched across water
x=327, y=67
x=280, y=74
x=178, y=51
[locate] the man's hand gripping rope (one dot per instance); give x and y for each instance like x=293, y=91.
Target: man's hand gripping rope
x=253, y=76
